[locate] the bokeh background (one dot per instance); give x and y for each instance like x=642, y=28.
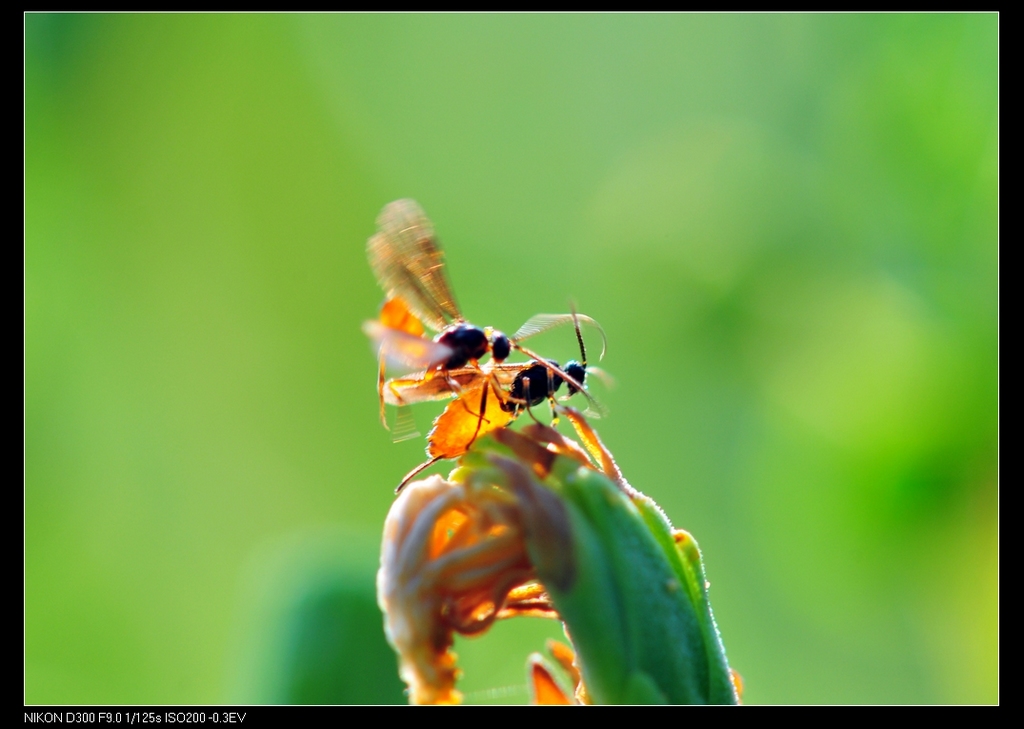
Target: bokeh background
x=787, y=225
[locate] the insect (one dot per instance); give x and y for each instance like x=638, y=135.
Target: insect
x=492, y=396
x=409, y=265
x=536, y=382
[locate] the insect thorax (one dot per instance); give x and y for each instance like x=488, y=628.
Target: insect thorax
x=466, y=341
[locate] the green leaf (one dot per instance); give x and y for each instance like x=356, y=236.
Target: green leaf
x=633, y=601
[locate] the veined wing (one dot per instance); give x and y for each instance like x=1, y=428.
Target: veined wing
x=426, y=386
x=543, y=322
x=506, y=372
x=409, y=263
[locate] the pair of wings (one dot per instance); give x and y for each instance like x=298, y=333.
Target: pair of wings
x=421, y=387
x=409, y=265
x=404, y=347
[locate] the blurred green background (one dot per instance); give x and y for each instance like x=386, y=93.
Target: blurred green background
x=787, y=225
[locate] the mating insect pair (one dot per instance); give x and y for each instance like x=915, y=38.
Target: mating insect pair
x=409, y=266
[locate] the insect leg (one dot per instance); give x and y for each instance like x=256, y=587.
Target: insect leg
x=380, y=388
x=502, y=396
x=551, y=399
x=414, y=472
x=526, y=389
x=453, y=386
x=480, y=420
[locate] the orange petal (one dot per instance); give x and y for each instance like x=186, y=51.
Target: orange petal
x=476, y=412
x=566, y=657
x=545, y=691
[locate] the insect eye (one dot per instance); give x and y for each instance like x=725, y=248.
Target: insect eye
x=500, y=347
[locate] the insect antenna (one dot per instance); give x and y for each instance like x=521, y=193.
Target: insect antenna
x=579, y=335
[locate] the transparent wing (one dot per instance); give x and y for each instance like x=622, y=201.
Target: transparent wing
x=543, y=322
x=409, y=263
x=405, y=425
x=603, y=376
x=402, y=350
x=423, y=386
x=506, y=372
x=595, y=408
